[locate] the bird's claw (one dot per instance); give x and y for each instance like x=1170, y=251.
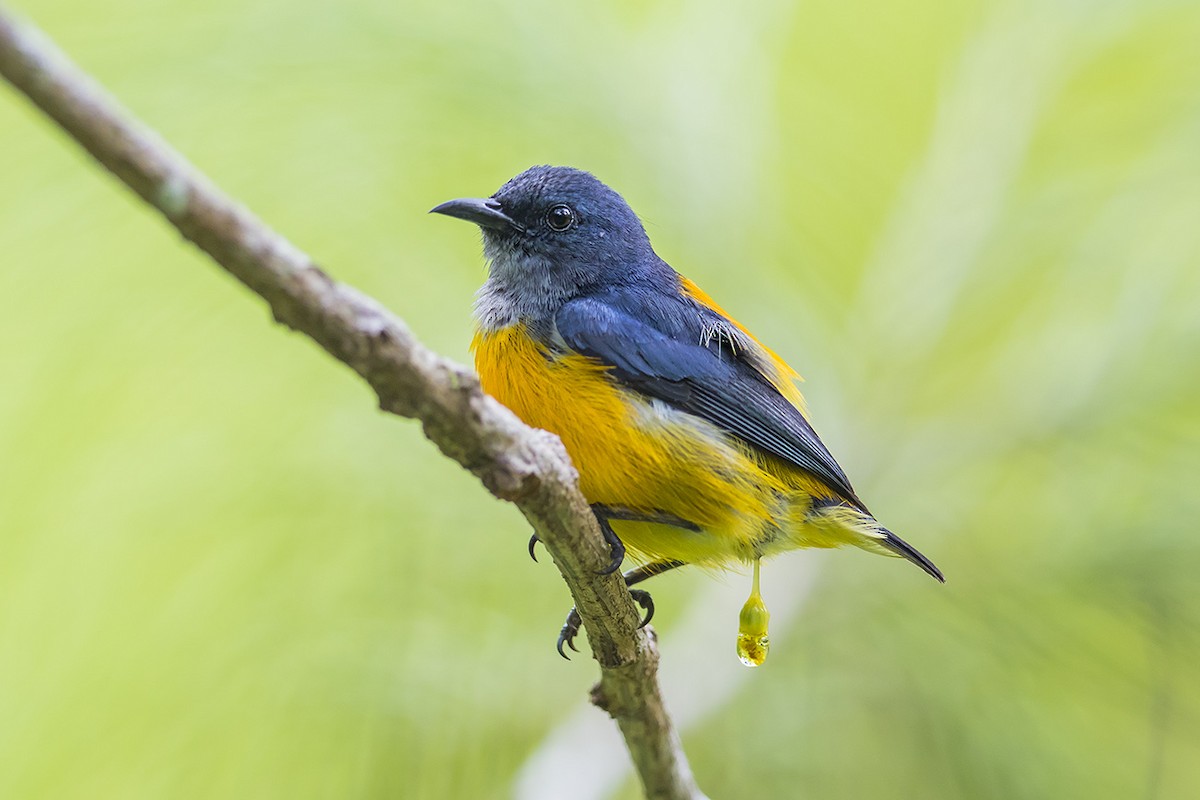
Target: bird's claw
x=643, y=599
x=570, y=630
x=616, y=548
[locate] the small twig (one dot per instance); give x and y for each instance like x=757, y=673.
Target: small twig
x=526, y=466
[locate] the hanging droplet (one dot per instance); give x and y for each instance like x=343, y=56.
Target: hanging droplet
x=752, y=640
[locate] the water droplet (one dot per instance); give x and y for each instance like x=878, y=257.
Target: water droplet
x=752, y=641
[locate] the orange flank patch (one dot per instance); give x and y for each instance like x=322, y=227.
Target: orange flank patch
x=784, y=377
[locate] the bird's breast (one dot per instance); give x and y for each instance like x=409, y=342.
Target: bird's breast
x=569, y=395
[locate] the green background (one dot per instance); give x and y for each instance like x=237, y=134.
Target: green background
x=973, y=227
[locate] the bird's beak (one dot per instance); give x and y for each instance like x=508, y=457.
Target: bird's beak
x=483, y=212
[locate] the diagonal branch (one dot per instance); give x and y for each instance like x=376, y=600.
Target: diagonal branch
x=525, y=466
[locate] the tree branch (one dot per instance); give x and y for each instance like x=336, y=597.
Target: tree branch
x=523, y=465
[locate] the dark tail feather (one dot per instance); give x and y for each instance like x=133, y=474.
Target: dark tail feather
x=902, y=548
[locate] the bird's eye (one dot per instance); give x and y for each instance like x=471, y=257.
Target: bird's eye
x=560, y=217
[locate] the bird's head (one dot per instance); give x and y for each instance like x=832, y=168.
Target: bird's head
x=554, y=233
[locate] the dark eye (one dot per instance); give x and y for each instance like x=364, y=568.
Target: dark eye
x=560, y=217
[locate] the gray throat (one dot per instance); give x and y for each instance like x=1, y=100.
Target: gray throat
x=521, y=287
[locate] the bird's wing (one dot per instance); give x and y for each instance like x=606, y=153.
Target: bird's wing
x=699, y=364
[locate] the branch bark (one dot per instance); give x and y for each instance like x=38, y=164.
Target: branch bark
x=525, y=466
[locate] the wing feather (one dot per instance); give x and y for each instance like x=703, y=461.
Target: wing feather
x=684, y=367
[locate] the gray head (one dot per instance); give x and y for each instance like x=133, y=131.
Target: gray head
x=551, y=234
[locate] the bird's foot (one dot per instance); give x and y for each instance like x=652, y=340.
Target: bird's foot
x=643, y=599
x=570, y=628
x=616, y=548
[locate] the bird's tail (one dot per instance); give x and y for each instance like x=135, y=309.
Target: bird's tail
x=905, y=550
x=831, y=522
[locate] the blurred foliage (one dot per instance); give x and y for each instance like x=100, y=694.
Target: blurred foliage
x=972, y=226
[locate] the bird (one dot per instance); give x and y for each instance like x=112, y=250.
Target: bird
x=691, y=439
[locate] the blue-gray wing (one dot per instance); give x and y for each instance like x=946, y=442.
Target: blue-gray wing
x=685, y=371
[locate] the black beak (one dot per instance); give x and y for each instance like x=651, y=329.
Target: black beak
x=483, y=212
